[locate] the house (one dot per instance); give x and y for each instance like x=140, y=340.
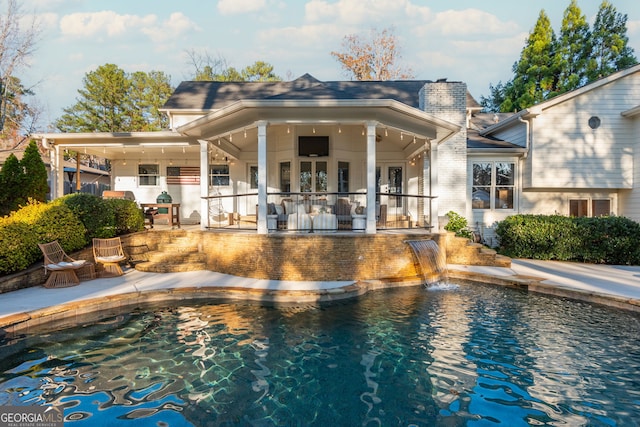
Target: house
x=576, y=154
x=364, y=156
x=94, y=178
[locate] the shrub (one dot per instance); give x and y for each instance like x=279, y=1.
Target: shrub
x=610, y=240
x=37, y=223
x=128, y=216
x=458, y=224
x=96, y=214
x=18, y=246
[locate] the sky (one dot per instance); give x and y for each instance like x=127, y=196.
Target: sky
x=462, y=40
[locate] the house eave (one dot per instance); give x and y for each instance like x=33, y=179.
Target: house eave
x=385, y=111
x=632, y=112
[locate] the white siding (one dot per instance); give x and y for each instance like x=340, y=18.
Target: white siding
x=630, y=200
x=567, y=153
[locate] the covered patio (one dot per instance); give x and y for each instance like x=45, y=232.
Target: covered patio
x=289, y=156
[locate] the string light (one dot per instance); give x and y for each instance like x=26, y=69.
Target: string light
x=386, y=132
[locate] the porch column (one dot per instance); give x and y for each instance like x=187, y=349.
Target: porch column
x=371, y=178
x=434, y=189
x=262, y=177
x=204, y=184
x=57, y=173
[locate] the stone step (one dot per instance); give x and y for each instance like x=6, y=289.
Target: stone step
x=175, y=257
x=154, y=267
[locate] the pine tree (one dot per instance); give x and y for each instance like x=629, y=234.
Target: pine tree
x=12, y=184
x=35, y=173
x=609, y=37
x=114, y=101
x=536, y=73
x=574, y=48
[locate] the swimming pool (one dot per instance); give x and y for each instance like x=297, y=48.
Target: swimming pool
x=455, y=354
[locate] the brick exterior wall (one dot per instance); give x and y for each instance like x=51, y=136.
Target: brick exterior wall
x=448, y=101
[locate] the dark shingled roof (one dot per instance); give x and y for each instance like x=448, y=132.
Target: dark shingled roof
x=477, y=141
x=214, y=95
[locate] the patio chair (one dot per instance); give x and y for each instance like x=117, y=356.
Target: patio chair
x=110, y=254
x=64, y=270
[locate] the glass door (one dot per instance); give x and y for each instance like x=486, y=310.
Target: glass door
x=313, y=176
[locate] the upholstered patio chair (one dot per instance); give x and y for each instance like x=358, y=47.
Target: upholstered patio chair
x=62, y=269
x=110, y=254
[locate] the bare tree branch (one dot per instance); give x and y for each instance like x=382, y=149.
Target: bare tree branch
x=375, y=58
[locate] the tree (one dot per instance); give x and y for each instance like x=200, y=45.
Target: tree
x=12, y=184
x=18, y=37
x=211, y=69
x=535, y=73
x=35, y=173
x=548, y=67
x=574, y=48
x=375, y=58
x=609, y=37
x=114, y=101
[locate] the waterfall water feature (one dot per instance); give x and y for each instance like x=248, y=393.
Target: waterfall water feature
x=432, y=260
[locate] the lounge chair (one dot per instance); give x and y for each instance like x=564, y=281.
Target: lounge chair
x=110, y=254
x=64, y=270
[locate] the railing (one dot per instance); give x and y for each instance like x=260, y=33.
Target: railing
x=318, y=212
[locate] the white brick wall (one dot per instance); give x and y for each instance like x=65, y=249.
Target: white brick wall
x=448, y=101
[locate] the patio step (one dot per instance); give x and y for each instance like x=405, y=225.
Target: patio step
x=177, y=255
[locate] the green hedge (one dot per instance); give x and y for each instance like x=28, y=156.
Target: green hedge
x=36, y=223
x=605, y=240
x=71, y=220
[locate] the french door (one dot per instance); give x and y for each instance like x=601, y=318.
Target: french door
x=313, y=176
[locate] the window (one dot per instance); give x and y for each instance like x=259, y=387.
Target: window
x=285, y=177
x=253, y=177
x=343, y=177
x=219, y=175
x=148, y=174
x=580, y=207
x=493, y=185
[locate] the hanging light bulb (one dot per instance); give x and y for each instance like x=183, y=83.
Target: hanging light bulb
x=162, y=150
x=288, y=129
x=339, y=129
x=401, y=136
x=414, y=139
x=314, y=129
x=363, y=130
x=230, y=137
x=218, y=141
x=386, y=132
x=245, y=133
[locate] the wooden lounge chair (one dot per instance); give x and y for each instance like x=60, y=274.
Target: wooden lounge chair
x=110, y=254
x=64, y=270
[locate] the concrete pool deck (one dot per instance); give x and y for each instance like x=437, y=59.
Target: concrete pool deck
x=617, y=286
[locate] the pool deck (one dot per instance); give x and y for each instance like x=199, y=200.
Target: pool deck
x=617, y=286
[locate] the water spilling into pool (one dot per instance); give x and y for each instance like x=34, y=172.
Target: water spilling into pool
x=451, y=355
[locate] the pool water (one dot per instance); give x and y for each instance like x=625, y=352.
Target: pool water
x=451, y=355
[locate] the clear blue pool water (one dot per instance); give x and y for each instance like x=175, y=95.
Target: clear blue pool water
x=454, y=355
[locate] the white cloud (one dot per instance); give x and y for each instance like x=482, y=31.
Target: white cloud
x=231, y=7
x=469, y=22
x=176, y=25
x=101, y=23
x=357, y=11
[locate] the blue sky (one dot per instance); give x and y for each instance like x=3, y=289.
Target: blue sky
x=462, y=40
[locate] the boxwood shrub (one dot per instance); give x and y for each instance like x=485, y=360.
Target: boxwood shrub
x=607, y=240
x=95, y=213
x=128, y=216
x=36, y=223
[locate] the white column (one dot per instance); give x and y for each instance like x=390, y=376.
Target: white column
x=434, y=187
x=262, y=178
x=58, y=173
x=371, y=178
x=204, y=184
